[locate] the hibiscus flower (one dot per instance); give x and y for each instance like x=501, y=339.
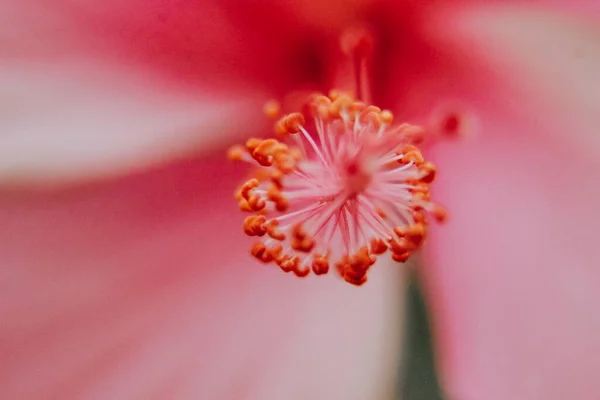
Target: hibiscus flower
x=124, y=270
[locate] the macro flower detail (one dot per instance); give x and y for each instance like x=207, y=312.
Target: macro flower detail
x=340, y=186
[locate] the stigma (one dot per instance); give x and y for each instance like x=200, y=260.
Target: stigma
x=339, y=186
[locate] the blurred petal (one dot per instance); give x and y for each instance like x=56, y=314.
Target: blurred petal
x=143, y=288
x=71, y=121
x=95, y=88
x=513, y=277
x=548, y=61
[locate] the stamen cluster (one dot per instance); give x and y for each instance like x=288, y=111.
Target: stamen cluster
x=338, y=191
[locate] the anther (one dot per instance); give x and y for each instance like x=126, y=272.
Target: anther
x=276, y=253
x=401, y=258
x=252, y=143
x=254, y=225
x=290, y=123
x=428, y=172
x=387, y=117
x=340, y=103
x=272, y=109
x=401, y=246
x=248, y=186
x=259, y=250
x=264, y=151
x=320, y=265
x=413, y=156
x=320, y=106
x=274, y=194
x=235, y=153
x=378, y=246
x=289, y=264
x=272, y=230
x=416, y=234
x=301, y=272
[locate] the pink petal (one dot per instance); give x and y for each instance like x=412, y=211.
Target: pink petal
x=95, y=88
x=513, y=277
x=72, y=120
x=144, y=288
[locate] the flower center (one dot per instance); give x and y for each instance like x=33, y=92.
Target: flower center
x=341, y=186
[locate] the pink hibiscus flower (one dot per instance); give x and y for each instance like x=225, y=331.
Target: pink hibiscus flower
x=137, y=283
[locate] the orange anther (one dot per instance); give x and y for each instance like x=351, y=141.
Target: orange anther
x=265, y=151
x=272, y=230
x=252, y=143
x=334, y=94
x=407, y=148
x=296, y=153
x=288, y=264
x=276, y=177
x=248, y=186
x=235, y=153
x=420, y=217
x=399, y=231
x=290, y=123
x=254, y=225
x=305, y=245
x=387, y=117
x=401, y=245
x=244, y=206
x=416, y=233
x=256, y=203
x=319, y=106
x=367, y=111
x=415, y=156
x=428, y=172
x=273, y=193
x=354, y=274
x=298, y=232
x=419, y=187
x=359, y=265
x=402, y=257
x=259, y=250
x=320, y=265
x=356, y=107
x=356, y=279
x=378, y=246
x=301, y=272
x=342, y=102
x=248, y=228
x=281, y=204
x=421, y=196
x=272, y=109
x=276, y=253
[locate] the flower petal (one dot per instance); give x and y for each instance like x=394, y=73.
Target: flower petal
x=75, y=120
x=513, y=277
x=94, y=88
x=548, y=61
x=143, y=288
